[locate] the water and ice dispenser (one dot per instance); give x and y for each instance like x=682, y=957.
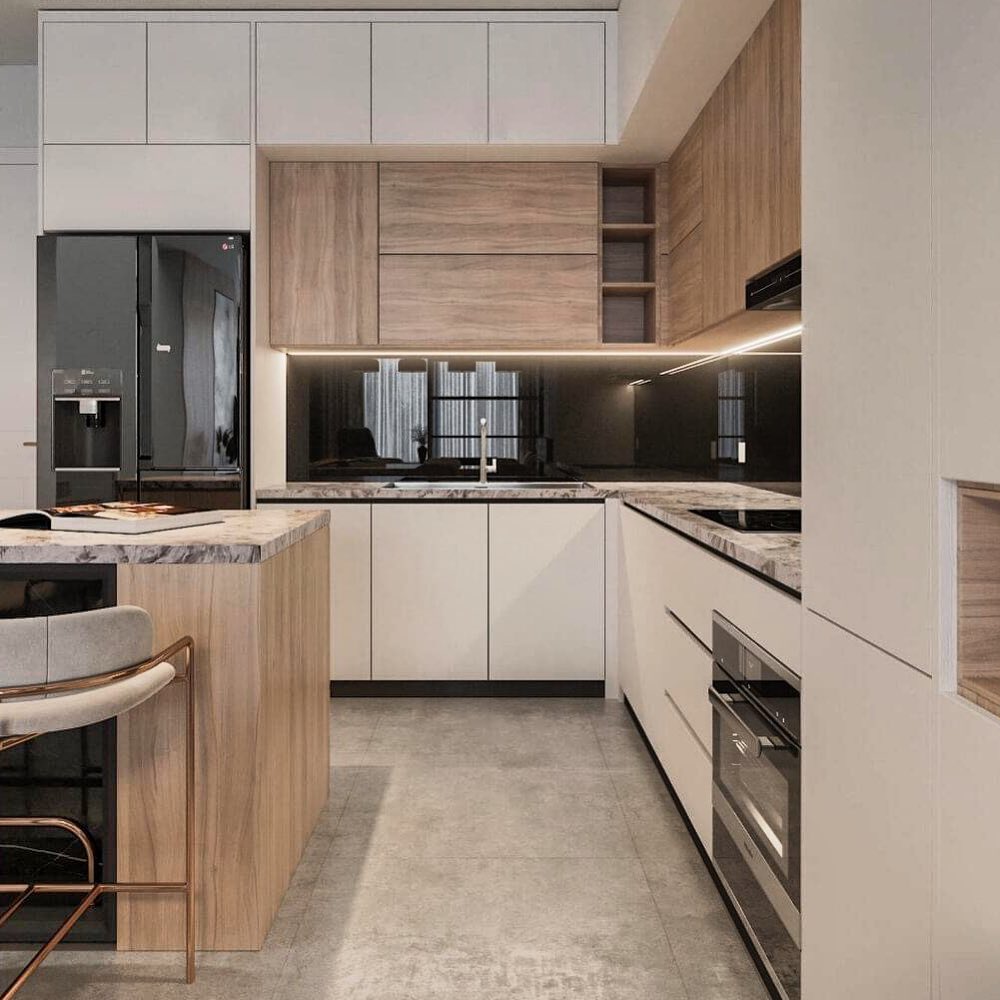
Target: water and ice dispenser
x=87, y=419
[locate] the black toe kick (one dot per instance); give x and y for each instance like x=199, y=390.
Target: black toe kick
x=467, y=689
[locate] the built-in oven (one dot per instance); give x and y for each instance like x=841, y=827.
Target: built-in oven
x=756, y=795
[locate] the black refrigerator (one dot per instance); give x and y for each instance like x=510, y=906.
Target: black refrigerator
x=143, y=358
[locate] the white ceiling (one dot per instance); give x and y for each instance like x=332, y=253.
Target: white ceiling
x=18, y=25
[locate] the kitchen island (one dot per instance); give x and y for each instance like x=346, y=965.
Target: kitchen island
x=252, y=593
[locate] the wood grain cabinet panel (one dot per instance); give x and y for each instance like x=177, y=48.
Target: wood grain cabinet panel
x=682, y=312
x=790, y=126
x=488, y=208
x=489, y=300
x=683, y=189
x=324, y=253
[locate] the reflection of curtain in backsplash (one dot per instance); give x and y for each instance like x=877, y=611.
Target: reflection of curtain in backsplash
x=395, y=404
x=456, y=420
x=732, y=413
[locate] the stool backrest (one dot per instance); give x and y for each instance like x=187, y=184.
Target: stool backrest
x=68, y=647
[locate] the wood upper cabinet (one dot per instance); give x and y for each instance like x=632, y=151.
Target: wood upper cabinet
x=737, y=172
x=682, y=311
x=324, y=254
x=683, y=195
x=488, y=300
x=488, y=208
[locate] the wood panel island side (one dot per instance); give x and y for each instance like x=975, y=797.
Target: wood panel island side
x=253, y=593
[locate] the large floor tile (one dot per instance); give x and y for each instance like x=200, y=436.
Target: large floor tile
x=656, y=826
x=414, y=811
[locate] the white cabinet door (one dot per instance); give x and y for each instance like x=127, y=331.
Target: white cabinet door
x=966, y=95
x=867, y=821
x=18, y=225
x=94, y=81
x=547, y=82
x=546, y=594
x=313, y=82
x=689, y=767
x=350, y=591
x=350, y=587
x=429, y=581
x=869, y=345
x=968, y=919
x=146, y=187
x=199, y=82
x=429, y=82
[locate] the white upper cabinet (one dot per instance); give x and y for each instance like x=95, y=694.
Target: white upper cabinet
x=199, y=82
x=313, y=82
x=547, y=82
x=429, y=82
x=94, y=81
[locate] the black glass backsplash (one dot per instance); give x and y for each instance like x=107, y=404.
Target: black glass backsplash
x=734, y=419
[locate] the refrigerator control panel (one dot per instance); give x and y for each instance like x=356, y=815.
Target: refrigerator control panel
x=86, y=382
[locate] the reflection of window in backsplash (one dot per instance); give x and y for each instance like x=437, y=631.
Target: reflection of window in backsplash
x=732, y=413
x=597, y=418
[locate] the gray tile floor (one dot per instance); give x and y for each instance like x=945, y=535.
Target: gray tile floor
x=471, y=850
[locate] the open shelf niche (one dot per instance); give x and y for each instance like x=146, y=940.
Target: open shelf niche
x=979, y=595
x=628, y=255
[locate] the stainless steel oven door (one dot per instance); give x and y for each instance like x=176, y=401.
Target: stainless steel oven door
x=756, y=772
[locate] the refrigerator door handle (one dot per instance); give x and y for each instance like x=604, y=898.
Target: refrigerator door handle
x=145, y=334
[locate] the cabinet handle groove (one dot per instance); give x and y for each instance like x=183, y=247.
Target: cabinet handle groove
x=687, y=631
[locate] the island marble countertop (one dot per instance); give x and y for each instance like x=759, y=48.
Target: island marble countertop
x=774, y=555
x=244, y=536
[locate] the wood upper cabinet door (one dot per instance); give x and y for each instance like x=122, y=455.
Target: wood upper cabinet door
x=488, y=208
x=313, y=82
x=683, y=189
x=682, y=311
x=790, y=126
x=429, y=82
x=324, y=255
x=429, y=591
x=199, y=82
x=546, y=594
x=487, y=300
x=94, y=82
x=724, y=281
x=547, y=82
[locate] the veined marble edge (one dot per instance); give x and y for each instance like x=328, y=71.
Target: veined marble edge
x=40, y=548
x=776, y=558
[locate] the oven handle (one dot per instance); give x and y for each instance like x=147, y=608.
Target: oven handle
x=755, y=745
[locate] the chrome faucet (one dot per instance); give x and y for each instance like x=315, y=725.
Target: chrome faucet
x=483, y=466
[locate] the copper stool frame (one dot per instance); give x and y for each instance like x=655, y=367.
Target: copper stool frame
x=92, y=890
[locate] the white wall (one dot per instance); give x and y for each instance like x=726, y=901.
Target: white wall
x=642, y=28
x=18, y=225
x=18, y=106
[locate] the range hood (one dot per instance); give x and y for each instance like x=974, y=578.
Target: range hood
x=777, y=289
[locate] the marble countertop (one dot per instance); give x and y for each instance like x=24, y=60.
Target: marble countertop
x=775, y=555
x=244, y=536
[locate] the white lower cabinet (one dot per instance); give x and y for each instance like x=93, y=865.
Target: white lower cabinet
x=429, y=596
x=668, y=589
x=350, y=587
x=546, y=593
x=866, y=822
x=967, y=920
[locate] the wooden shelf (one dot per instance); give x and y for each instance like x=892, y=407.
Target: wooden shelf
x=628, y=287
x=627, y=231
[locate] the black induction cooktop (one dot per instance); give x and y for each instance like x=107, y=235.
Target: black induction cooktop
x=755, y=519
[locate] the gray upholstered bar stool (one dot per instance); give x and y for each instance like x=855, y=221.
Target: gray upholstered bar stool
x=69, y=671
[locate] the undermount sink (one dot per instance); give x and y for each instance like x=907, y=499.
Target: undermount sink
x=472, y=484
